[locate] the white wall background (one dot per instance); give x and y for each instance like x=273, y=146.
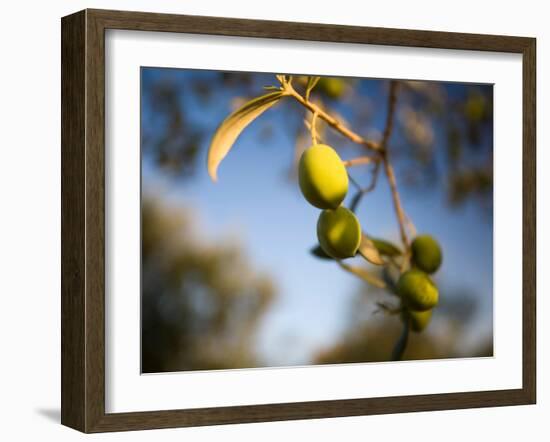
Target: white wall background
x=30, y=217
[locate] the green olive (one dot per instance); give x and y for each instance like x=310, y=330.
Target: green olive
x=323, y=177
x=419, y=320
x=475, y=107
x=339, y=233
x=332, y=87
x=417, y=290
x=426, y=253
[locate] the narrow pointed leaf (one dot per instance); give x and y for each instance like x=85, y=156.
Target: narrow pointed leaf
x=368, y=251
x=311, y=83
x=233, y=125
x=364, y=274
x=386, y=248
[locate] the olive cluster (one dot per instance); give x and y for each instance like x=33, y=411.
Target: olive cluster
x=324, y=183
x=417, y=290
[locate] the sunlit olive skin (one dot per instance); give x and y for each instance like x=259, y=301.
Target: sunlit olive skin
x=339, y=233
x=426, y=253
x=323, y=177
x=417, y=290
x=418, y=321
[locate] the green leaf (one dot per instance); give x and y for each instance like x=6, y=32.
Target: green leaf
x=368, y=251
x=233, y=125
x=319, y=252
x=386, y=248
x=311, y=83
x=364, y=274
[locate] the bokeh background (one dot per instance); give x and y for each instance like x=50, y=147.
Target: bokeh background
x=228, y=280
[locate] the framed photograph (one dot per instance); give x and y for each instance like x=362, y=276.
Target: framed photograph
x=267, y=221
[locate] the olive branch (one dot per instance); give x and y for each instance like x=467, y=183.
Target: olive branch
x=376, y=251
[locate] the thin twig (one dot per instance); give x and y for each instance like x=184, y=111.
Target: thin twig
x=331, y=121
x=388, y=169
x=314, y=135
x=374, y=178
x=411, y=226
x=359, y=161
x=311, y=82
x=392, y=100
x=355, y=183
x=401, y=344
x=362, y=191
x=396, y=202
x=384, y=307
x=381, y=150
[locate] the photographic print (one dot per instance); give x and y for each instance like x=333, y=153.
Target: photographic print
x=248, y=204
x=295, y=220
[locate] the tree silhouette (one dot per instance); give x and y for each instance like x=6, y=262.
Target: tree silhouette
x=201, y=302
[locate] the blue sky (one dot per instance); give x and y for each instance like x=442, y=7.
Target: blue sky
x=255, y=202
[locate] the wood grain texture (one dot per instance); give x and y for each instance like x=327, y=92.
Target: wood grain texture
x=83, y=220
x=73, y=128
x=95, y=222
x=145, y=21
x=529, y=221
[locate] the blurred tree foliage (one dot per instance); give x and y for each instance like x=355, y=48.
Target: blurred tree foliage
x=368, y=337
x=443, y=135
x=201, y=303
x=463, y=162
x=170, y=136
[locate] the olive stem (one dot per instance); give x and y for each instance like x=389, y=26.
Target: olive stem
x=361, y=191
x=381, y=150
x=388, y=168
x=358, y=161
x=401, y=344
x=411, y=226
x=392, y=100
x=314, y=127
x=330, y=120
x=396, y=202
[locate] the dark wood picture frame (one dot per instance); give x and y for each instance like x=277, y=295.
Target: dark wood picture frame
x=83, y=220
